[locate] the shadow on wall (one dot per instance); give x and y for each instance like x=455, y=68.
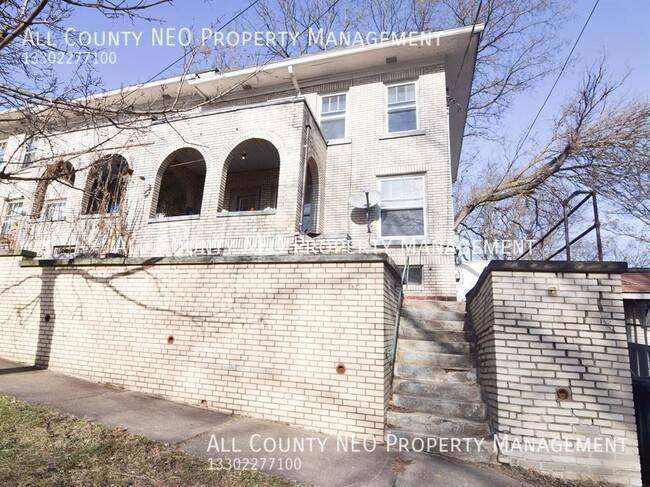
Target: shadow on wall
x=358, y=216
x=47, y=318
x=47, y=312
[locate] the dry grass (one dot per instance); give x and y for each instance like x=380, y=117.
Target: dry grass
x=43, y=447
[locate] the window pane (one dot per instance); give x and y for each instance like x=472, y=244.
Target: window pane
x=402, y=193
x=414, y=275
x=332, y=119
x=31, y=147
x=55, y=210
x=410, y=91
x=402, y=223
x=401, y=94
x=12, y=216
x=334, y=103
x=15, y=209
x=247, y=202
x=401, y=121
x=333, y=129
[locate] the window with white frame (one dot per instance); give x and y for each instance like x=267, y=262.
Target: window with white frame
x=13, y=213
x=31, y=149
x=54, y=210
x=332, y=116
x=402, y=207
x=401, y=107
x=3, y=149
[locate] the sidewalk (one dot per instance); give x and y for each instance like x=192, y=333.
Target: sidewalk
x=323, y=459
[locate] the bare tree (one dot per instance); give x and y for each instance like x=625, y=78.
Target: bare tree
x=599, y=142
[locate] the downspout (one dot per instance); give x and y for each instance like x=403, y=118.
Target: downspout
x=294, y=79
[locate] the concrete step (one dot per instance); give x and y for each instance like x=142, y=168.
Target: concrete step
x=432, y=305
x=424, y=314
x=434, y=358
x=470, y=410
x=435, y=373
x=432, y=424
x=449, y=391
x=408, y=319
x=436, y=336
x=466, y=449
x=461, y=348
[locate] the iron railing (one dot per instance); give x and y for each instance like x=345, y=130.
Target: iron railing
x=568, y=241
x=400, y=301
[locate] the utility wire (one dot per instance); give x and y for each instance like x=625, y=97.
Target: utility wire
x=523, y=140
x=242, y=12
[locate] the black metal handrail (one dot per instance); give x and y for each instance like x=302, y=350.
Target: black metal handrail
x=400, y=301
x=565, y=221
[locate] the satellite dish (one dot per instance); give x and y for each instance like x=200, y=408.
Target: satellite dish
x=365, y=199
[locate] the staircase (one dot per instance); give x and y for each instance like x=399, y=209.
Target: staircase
x=435, y=392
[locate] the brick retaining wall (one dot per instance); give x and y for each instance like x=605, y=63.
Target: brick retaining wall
x=544, y=326
x=257, y=336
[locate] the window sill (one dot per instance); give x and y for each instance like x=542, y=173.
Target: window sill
x=228, y=214
x=338, y=142
x=397, y=135
x=162, y=219
x=46, y=220
x=97, y=216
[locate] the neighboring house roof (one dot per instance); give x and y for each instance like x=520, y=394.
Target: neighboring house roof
x=636, y=282
x=456, y=48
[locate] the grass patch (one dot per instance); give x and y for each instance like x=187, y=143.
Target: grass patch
x=40, y=446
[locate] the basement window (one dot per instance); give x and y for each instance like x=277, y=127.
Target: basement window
x=415, y=277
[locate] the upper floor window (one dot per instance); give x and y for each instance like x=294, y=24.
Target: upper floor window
x=401, y=107
x=31, y=150
x=332, y=116
x=54, y=210
x=3, y=148
x=402, y=207
x=13, y=213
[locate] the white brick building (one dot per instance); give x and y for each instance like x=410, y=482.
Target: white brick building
x=273, y=152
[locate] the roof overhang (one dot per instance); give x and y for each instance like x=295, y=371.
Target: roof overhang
x=456, y=48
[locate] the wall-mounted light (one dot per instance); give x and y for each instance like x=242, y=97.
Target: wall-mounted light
x=243, y=156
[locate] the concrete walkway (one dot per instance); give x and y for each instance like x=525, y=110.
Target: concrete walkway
x=323, y=460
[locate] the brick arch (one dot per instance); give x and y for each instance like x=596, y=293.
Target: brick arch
x=250, y=155
x=193, y=185
x=106, y=184
x=62, y=171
